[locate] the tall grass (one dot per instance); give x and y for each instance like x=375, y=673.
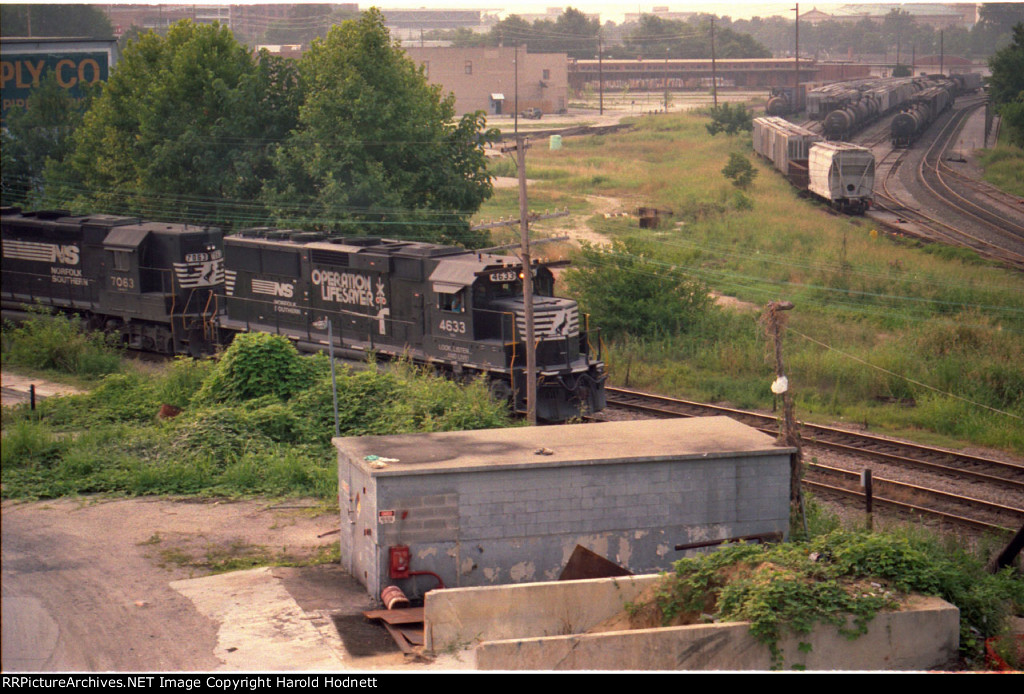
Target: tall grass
x=906, y=336
x=1003, y=166
x=111, y=440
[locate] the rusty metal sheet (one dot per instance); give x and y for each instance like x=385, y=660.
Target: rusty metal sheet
x=587, y=564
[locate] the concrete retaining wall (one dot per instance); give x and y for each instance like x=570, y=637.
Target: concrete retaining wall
x=469, y=616
x=540, y=627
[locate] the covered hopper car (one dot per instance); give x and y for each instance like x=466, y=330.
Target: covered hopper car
x=181, y=289
x=837, y=172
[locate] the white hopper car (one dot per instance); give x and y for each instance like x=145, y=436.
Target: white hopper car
x=840, y=173
x=843, y=174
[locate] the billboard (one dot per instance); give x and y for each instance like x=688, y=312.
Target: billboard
x=24, y=64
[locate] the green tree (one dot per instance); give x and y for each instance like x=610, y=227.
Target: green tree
x=1006, y=86
x=658, y=38
x=740, y=171
x=628, y=293
x=182, y=130
x=376, y=146
x=36, y=135
x=729, y=119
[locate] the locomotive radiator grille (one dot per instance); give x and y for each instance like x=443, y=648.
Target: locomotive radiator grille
x=551, y=322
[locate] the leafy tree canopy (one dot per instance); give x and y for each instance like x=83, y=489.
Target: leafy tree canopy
x=1007, y=82
x=1006, y=86
x=572, y=32
x=657, y=38
x=740, y=171
x=729, y=119
x=181, y=129
x=376, y=146
x=36, y=135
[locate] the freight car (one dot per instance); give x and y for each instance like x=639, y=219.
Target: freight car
x=839, y=173
x=783, y=101
x=843, y=174
x=908, y=125
x=179, y=289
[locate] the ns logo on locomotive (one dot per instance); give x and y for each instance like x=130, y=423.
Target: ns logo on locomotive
x=183, y=289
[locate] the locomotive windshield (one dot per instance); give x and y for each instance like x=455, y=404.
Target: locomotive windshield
x=508, y=283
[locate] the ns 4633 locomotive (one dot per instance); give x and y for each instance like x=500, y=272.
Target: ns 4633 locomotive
x=181, y=289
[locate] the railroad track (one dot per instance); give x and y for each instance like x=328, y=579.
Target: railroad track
x=986, y=221
x=999, y=478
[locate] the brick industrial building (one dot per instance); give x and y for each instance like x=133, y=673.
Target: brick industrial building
x=490, y=79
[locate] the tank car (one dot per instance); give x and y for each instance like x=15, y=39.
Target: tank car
x=843, y=174
x=843, y=122
x=908, y=125
x=462, y=312
x=783, y=101
x=156, y=285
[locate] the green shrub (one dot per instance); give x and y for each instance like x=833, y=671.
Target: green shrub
x=837, y=576
x=629, y=293
x=50, y=342
x=258, y=364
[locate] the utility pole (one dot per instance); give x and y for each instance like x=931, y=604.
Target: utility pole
x=774, y=322
x=796, y=55
x=942, y=54
x=666, y=80
x=714, y=73
x=524, y=231
x=515, y=116
x=600, y=76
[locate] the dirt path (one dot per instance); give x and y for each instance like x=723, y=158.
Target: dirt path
x=122, y=585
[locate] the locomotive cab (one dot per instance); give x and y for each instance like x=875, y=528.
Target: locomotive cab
x=161, y=285
x=478, y=319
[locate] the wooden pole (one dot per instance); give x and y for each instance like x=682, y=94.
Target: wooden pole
x=714, y=72
x=524, y=231
x=788, y=434
x=865, y=482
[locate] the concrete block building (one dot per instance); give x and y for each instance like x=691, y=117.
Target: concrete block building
x=505, y=506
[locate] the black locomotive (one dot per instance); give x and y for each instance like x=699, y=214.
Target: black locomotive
x=157, y=285
x=180, y=289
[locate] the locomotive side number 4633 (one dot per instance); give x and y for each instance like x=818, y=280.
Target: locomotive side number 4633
x=453, y=326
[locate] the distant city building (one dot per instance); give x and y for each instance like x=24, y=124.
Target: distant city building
x=410, y=25
x=551, y=14
x=287, y=50
x=487, y=79
x=936, y=16
x=248, y=22
x=661, y=13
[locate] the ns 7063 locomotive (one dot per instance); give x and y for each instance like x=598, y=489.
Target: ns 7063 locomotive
x=181, y=289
